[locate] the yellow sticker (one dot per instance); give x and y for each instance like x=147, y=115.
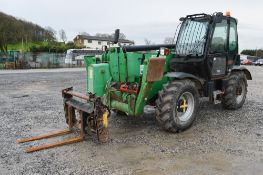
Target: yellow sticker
x=105, y=119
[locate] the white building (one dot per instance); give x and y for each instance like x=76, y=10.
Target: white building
x=96, y=42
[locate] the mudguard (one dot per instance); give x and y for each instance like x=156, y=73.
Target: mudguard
x=244, y=69
x=183, y=75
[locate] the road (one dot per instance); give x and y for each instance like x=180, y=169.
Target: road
x=219, y=142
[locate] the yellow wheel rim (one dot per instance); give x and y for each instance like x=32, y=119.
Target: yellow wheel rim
x=184, y=105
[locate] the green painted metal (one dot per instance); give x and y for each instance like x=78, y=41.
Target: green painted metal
x=118, y=67
x=113, y=58
x=144, y=91
x=156, y=87
x=89, y=60
x=133, y=66
x=122, y=66
x=98, y=76
x=119, y=106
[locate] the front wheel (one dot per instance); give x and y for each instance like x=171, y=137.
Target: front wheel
x=177, y=105
x=235, y=91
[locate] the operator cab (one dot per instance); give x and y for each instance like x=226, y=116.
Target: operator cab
x=206, y=46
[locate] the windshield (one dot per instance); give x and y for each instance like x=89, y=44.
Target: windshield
x=192, y=37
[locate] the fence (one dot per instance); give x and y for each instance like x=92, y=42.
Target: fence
x=29, y=60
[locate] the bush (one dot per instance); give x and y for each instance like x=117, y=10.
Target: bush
x=54, y=47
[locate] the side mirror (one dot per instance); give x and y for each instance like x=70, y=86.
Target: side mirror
x=182, y=19
x=116, y=36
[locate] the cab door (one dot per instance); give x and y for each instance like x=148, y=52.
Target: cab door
x=218, y=52
x=233, y=57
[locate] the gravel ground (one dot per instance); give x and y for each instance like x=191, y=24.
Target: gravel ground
x=220, y=141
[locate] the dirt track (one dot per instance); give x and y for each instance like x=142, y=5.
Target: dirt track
x=220, y=141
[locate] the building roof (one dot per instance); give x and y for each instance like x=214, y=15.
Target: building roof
x=102, y=38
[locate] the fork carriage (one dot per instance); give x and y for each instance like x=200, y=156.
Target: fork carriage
x=93, y=119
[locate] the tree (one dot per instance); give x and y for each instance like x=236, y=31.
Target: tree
x=3, y=42
x=17, y=31
x=168, y=40
x=259, y=53
x=50, y=34
x=252, y=52
x=8, y=33
x=249, y=52
x=84, y=33
x=105, y=35
x=148, y=42
x=62, y=35
x=121, y=36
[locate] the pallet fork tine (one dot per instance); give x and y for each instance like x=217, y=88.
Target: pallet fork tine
x=44, y=136
x=58, y=133
x=52, y=145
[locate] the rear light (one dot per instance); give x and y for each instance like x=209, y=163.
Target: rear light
x=229, y=62
x=164, y=51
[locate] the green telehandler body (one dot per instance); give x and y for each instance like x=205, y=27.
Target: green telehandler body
x=204, y=62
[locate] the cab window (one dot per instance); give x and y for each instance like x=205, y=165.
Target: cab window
x=233, y=37
x=219, y=38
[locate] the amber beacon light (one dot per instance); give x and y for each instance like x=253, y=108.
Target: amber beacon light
x=227, y=13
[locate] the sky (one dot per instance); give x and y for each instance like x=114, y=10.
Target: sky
x=137, y=19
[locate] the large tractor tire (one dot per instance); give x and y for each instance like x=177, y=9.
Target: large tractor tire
x=235, y=91
x=177, y=105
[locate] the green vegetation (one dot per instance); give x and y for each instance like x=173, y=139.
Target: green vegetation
x=21, y=47
x=54, y=47
x=20, y=35
x=14, y=31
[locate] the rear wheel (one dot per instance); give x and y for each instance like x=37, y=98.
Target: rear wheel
x=177, y=105
x=235, y=91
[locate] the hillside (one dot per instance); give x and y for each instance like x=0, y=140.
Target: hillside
x=13, y=31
